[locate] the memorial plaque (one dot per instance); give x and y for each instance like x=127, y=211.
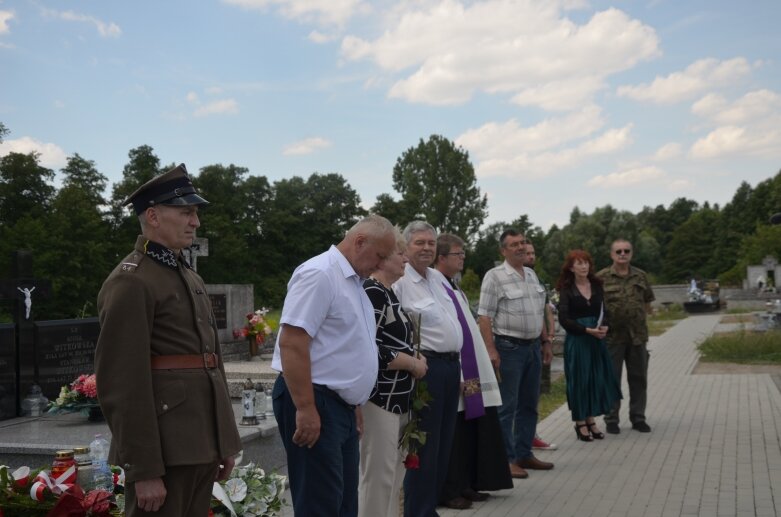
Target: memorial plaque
x=64, y=350
x=7, y=371
x=220, y=308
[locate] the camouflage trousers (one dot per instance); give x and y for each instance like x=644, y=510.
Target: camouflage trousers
x=636, y=358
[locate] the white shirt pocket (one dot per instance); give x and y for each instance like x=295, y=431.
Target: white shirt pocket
x=428, y=310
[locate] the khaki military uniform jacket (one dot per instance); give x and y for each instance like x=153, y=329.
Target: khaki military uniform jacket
x=153, y=303
x=625, y=300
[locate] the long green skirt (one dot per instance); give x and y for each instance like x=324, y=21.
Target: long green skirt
x=592, y=387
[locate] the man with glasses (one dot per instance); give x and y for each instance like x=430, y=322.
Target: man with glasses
x=628, y=297
x=477, y=458
x=511, y=310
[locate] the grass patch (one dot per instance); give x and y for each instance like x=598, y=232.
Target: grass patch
x=657, y=328
x=738, y=318
x=742, y=347
x=740, y=310
x=551, y=401
x=670, y=313
x=661, y=320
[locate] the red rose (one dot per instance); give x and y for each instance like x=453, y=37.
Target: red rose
x=412, y=461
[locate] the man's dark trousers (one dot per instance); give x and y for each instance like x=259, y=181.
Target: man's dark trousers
x=422, y=486
x=323, y=479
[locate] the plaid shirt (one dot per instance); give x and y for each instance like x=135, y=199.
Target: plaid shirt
x=515, y=304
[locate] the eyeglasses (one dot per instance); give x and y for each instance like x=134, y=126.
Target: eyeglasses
x=461, y=254
x=623, y=252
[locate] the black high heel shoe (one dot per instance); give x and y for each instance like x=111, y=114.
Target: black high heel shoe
x=581, y=437
x=598, y=435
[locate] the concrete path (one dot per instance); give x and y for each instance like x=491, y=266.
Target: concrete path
x=715, y=448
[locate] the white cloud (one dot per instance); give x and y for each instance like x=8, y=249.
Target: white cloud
x=752, y=106
x=751, y=125
x=668, y=152
x=628, y=178
x=507, y=149
x=320, y=37
x=306, y=146
x=680, y=185
x=700, y=76
x=192, y=98
x=321, y=12
x=105, y=29
x=448, y=50
x=51, y=155
x=220, y=107
x=5, y=17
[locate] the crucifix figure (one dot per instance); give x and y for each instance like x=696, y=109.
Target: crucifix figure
x=28, y=300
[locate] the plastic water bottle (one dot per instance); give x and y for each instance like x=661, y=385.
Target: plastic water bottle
x=102, y=478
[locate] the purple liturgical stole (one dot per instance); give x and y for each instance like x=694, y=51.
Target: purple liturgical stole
x=473, y=396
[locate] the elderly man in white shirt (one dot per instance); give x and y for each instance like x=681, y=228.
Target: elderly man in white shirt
x=327, y=357
x=423, y=293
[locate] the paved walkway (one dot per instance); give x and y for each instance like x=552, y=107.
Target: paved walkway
x=715, y=448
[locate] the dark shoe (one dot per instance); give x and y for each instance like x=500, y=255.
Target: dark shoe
x=459, y=503
x=583, y=437
x=517, y=472
x=612, y=428
x=533, y=463
x=642, y=427
x=598, y=435
x=474, y=495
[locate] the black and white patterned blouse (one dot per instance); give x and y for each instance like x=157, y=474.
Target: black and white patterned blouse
x=394, y=336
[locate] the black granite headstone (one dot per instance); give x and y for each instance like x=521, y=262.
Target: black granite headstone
x=64, y=350
x=7, y=371
x=220, y=309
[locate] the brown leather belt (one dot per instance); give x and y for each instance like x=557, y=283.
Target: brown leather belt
x=184, y=362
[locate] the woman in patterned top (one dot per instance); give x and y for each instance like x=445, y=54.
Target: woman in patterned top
x=384, y=416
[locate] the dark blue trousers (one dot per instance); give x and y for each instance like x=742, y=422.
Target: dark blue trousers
x=323, y=479
x=422, y=486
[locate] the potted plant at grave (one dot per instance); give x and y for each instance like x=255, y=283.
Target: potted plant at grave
x=257, y=329
x=81, y=395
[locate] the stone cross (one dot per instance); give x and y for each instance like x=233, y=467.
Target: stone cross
x=200, y=248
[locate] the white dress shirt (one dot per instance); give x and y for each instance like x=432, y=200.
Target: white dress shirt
x=325, y=297
x=427, y=298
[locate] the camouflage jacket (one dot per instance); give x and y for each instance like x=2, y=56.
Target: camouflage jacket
x=625, y=300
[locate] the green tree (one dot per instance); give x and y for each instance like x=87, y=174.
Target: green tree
x=77, y=242
x=438, y=180
x=304, y=218
x=24, y=187
x=226, y=224
x=690, y=253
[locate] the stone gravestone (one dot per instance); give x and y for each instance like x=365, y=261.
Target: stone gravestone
x=24, y=291
x=231, y=304
x=8, y=393
x=65, y=349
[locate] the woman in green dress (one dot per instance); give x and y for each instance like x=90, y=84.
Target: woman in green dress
x=592, y=387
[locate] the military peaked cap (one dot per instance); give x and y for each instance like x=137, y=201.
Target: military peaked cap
x=173, y=188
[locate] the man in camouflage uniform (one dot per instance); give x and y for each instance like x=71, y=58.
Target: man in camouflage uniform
x=628, y=298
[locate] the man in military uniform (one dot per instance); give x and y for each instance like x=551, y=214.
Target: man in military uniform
x=628, y=297
x=160, y=377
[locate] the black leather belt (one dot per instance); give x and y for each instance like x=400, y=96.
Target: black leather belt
x=515, y=340
x=445, y=356
x=325, y=390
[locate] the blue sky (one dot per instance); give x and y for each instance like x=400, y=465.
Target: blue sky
x=559, y=103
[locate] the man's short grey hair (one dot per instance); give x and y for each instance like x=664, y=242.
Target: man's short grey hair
x=416, y=227
x=374, y=226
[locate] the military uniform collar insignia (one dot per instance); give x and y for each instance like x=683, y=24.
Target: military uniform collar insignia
x=160, y=254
